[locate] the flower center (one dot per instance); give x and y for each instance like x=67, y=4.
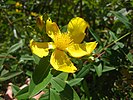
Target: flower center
x=62, y=41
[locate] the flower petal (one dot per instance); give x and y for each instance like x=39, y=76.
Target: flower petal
x=76, y=29
x=79, y=50
x=51, y=28
x=40, y=23
x=40, y=49
x=60, y=61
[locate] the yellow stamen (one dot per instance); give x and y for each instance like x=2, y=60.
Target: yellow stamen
x=62, y=41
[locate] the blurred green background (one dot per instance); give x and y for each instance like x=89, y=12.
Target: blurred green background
x=111, y=25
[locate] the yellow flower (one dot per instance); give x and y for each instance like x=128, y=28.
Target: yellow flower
x=18, y=4
x=40, y=23
x=63, y=43
x=34, y=14
x=18, y=11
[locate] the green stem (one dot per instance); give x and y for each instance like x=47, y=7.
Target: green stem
x=114, y=42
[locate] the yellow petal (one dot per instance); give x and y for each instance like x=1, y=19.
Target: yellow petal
x=76, y=29
x=34, y=14
x=79, y=50
x=40, y=49
x=51, y=28
x=40, y=23
x=60, y=61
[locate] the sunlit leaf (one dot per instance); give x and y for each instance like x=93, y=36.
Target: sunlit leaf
x=63, y=76
x=130, y=57
x=85, y=70
x=9, y=75
x=23, y=93
x=75, y=81
x=122, y=18
x=16, y=46
x=58, y=84
x=96, y=36
x=107, y=68
x=36, y=88
x=98, y=69
x=54, y=95
x=26, y=57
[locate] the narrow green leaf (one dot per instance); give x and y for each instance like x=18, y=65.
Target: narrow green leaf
x=29, y=73
x=10, y=2
x=54, y=95
x=36, y=58
x=69, y=94
x=16, y=46
x=112, y=34
x=45, y=96
x=41, y=71
x=117, y=45
x=15, y=89
x=113, y=37
x=98, y=69
x=75, y=81
x=85, y=88
x=26, y=57
x=1, y=63
x=63, y=76
x=122, y=18
x=58, y=84
x=9, y=75
x=96, y=36
x=2, y=59
x=106, y=69
x=23, y=93
x=36, y=88
x=24, y=96
x=85, y=70
x=76, y=97
x=20, y=18
x=130, y=57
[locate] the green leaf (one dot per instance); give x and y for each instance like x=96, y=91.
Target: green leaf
x=76, y=97
x=41, y=71
x=36, y=88
x=16, y=46
x=113, y=35
x=75, y=81
x=36, y=58
x=2, y=59
x=85, y=70
x=130, y=57
x=15, y=89
x=54, y=95
x=46, y=95
x=9, y=75
x=85, y=88
x=118, y=45
x=41, y=77
x=63, y=76
x=69, y=93
x=23, y=93
x=29, y=73
x=96, y=36
x=106, y=69
x=122, y=18
x=58, y=84
x=10, y=2
x=26, y=57
x=98, y=69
